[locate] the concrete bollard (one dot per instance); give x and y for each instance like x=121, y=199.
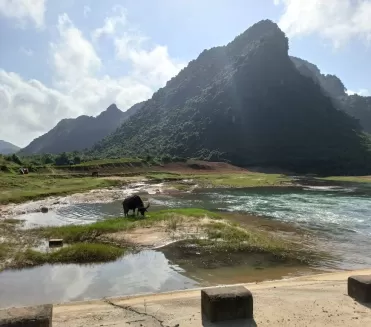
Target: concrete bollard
x=37, y=316
x=226, y=303
x=359, y=288
x=55, y=242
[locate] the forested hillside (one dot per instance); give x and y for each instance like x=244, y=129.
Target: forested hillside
x=247, y=103
x=357, y=106
x=79, y=133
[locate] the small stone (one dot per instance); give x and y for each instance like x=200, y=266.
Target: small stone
x=44, y=209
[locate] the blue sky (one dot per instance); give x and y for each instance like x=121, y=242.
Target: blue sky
x=61, y=59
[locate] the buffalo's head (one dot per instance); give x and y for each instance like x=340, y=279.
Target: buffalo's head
x=142, y=210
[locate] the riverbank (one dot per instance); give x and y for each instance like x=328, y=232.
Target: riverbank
x=16, y=188
x=317, y=300
x=201, y=233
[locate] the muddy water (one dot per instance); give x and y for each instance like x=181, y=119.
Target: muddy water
x=339, y=215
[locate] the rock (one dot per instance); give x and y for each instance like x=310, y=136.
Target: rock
x=226, y=303
x=55, y=242
x=37, y=316
x=44, y=209
x=359, y=288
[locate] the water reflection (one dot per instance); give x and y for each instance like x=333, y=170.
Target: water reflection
x=147, y=271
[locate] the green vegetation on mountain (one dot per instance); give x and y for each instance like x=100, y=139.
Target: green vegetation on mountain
x=356, y=106
x=79, y=133
x=8, y=148
x=248, y=104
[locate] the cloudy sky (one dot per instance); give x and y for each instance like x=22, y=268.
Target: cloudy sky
x=61, y=59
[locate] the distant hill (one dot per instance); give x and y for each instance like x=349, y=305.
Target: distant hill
x=357, y=106
x=8, y=148
x=248, y=104
x=79, y=133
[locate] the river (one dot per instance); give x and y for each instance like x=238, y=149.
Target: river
x=338, y=214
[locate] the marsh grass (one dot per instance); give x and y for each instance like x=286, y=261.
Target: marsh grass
x=90, y=232
x=173, y=223
x=352, y=179
x=223, y=236
x=237, y=180
x=75, y=253
x=4, y=250
x=20, y=188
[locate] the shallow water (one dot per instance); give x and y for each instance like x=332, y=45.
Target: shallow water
x=339, y=215
x=144, y=272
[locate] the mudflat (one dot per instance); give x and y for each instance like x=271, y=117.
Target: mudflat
x=317, y=300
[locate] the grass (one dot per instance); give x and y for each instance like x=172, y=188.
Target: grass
x=19, y=188
x=232, y=237
x=354, y=179
x=4, y=250
x=90, y=232
x=242, y=180
x=76, y=253
x=223, y=180
x=103, y=162
x=222, y=235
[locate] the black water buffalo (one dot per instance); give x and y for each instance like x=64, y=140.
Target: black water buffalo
x=134, y=202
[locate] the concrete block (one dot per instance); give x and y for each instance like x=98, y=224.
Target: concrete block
x=38, y=316
x=55, y=242
x=359, y=288
x=226, y=303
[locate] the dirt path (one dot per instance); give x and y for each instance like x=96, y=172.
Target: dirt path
x=318, y=300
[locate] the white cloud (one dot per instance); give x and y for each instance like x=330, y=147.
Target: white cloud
x=362, y=92
x=336, y=20
x=74, y=58
x=24, y=11
x=87, y=10
x=111, y=23
x=28, y=108
x=79, y=87
x=153, y=66
x=27, y=52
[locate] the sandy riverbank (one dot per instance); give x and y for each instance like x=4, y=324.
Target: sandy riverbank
x=317, y=300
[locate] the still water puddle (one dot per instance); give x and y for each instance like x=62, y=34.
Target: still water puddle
x=144, y=272
x=148, y=271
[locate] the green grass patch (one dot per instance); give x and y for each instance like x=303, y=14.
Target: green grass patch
x=232, y=237
x=4, y=250
x=237, y=180
x=90, y=232
x=242, y=180
x=353, y=179
x=160, y=176
x=76, y=253
x=19, y=188
x=103, y=162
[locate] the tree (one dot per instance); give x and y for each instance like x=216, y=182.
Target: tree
x=77, y=160
x=16, y=159
x=62, y=159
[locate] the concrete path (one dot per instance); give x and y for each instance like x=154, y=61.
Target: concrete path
x=319, y=300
